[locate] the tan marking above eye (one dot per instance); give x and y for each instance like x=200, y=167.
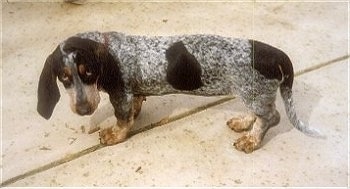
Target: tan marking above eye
x=83, y=70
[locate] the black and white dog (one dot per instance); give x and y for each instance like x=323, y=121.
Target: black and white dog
x=129, y=68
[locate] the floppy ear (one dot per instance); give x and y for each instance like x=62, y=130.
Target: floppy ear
x=48, y=92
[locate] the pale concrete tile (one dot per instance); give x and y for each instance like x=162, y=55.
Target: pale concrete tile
x=317, y=31
x=198, y=151
x=309, y=32
x=321, y=101
x=29, y=141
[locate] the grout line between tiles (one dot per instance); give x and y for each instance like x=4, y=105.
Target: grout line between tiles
x=182, y=115
x=149, y=127
x=321, y=65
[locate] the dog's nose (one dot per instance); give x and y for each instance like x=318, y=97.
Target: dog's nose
x=83, y=109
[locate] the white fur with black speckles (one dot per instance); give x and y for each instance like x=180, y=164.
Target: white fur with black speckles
x=226, y=65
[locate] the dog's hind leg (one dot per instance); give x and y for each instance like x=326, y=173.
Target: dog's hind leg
x=266, y=116
x=253, y=139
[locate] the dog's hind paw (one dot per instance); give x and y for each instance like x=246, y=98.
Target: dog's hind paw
x=241, y=122
x=247, y=143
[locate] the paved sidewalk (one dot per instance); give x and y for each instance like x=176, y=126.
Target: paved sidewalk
x=195, y=150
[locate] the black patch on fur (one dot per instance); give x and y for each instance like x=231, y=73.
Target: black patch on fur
x=271, y=62
x=183, y=72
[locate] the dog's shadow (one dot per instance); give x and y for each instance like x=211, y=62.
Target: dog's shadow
x=159, y=108
x=306, y=98
x=156, y=110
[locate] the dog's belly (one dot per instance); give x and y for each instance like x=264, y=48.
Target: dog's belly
x=206, y=90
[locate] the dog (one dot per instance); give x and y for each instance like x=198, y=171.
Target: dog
x=130, y=68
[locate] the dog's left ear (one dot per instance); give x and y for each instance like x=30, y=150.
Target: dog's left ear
x=48, y=92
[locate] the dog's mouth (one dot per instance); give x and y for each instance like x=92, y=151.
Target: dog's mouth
x=83, y=109
x=86, y=103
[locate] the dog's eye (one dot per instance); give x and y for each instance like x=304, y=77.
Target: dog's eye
x=84, y=70
x=65, y=77
x=88, y=72
x=66, y=74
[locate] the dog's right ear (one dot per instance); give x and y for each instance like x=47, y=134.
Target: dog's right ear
x=48, y=92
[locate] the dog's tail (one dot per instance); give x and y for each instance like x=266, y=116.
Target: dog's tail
x=293, y=118
x=287, y=95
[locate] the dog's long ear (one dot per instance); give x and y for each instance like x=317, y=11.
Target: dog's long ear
x=48, y=92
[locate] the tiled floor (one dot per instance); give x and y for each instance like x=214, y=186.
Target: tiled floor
x=197, y=149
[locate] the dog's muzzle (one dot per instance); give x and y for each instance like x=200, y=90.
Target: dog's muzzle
x=84, y=109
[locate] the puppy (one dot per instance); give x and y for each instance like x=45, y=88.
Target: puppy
x=129, y=68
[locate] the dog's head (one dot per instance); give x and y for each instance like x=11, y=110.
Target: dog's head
x=77, y=63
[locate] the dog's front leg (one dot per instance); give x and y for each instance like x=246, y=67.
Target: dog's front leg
x=124, y=112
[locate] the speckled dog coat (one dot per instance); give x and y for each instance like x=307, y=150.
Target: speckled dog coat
x=192, y=64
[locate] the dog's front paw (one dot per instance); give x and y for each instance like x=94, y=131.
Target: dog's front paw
x=110, y=136
x=247, y=143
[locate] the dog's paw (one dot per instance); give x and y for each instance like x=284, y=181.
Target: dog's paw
x=247, y=143
x=110, y=136
x=241, y=123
